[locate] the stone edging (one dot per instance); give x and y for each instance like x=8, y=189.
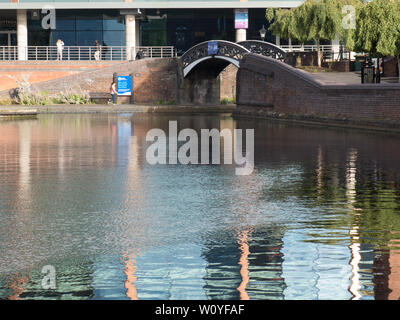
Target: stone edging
x=65, y=109
x=365, y=125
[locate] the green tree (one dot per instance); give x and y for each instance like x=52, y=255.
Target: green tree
x=313, y=20
x=378, y=29
x=283, y=22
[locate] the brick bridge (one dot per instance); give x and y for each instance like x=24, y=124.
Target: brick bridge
x=262, y=83
x=209, y=68
x=266, y=85
x=228, y=52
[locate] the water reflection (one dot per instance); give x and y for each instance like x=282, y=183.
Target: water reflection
x=317, y=219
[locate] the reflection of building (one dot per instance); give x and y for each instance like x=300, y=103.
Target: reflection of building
x=80, y=182
x=73, y=282
x=386, y=268
x=45, y=220
x=245, y=265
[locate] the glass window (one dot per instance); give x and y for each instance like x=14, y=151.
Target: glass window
x=39, y=37
x=3, y=39
x=89, y=23
x=154, y=33
x=68, y=37
x=87, y=38
x=113, y=23
x=34, y=24
x=64, y=23
x=114, y=38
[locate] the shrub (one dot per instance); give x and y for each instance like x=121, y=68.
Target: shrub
x=25, y=95
x=70, y=97
x=228, y=101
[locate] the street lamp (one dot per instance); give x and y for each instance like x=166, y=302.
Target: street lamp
x=263, y=32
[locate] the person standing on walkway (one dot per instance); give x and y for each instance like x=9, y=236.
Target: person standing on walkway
x=113, y=91
x=60, y=48
x=97, y=50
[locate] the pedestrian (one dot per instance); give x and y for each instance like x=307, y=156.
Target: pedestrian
x=60, y=48
x=139, y=55
x=113, y=91
x=97, y=49
x=103, y=50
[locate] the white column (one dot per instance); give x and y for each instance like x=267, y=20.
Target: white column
x=22, y=34
x=278, y=40
x=130, y=36
x=336, y=47
x=240, y=35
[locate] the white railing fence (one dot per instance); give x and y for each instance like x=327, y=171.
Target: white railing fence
x=330, y=52
x=120, y=53
x=84, y=53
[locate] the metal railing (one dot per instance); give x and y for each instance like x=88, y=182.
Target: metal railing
x=330, y=52
x=8, y=53
x=84, y=53
x=154, y=52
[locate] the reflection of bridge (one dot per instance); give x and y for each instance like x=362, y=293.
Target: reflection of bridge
x=228, y=51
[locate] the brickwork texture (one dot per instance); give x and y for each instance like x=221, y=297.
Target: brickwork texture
x=272, y=86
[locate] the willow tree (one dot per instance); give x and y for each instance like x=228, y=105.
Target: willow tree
x=313, y=20
x=378, y=29
x=283, y=22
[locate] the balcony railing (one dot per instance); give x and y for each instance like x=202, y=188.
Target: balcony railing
x=84, y=53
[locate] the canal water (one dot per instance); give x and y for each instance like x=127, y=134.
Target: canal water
x=319, y=217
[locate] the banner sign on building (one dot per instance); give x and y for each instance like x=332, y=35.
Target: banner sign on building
x=241, y=19
x=124, y=85
x=212, y=48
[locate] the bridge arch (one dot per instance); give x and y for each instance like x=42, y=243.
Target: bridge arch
x=229, y=51
x=264, y=48
x=207, y=77
x=224, y=50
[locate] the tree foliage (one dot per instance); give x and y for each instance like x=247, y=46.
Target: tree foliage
x=377, y=24
x=313, y=20
x=283, y=22
x=378, y=28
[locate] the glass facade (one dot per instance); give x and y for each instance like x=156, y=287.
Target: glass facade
x=181, y=28
x=80, y=28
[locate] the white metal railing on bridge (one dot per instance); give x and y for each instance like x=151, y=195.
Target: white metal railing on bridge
x=330, y=52
x=113, y=53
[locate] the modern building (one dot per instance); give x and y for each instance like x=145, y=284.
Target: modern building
x=130, y=23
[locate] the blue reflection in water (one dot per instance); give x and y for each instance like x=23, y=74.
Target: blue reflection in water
x=317, y=219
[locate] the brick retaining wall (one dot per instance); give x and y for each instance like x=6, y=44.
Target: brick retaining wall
x=39, y=71
x=228, y=82
x=154, y=80
x=267, y=86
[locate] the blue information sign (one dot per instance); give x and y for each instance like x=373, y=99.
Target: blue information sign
x=124, y=87
x=212, y=48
